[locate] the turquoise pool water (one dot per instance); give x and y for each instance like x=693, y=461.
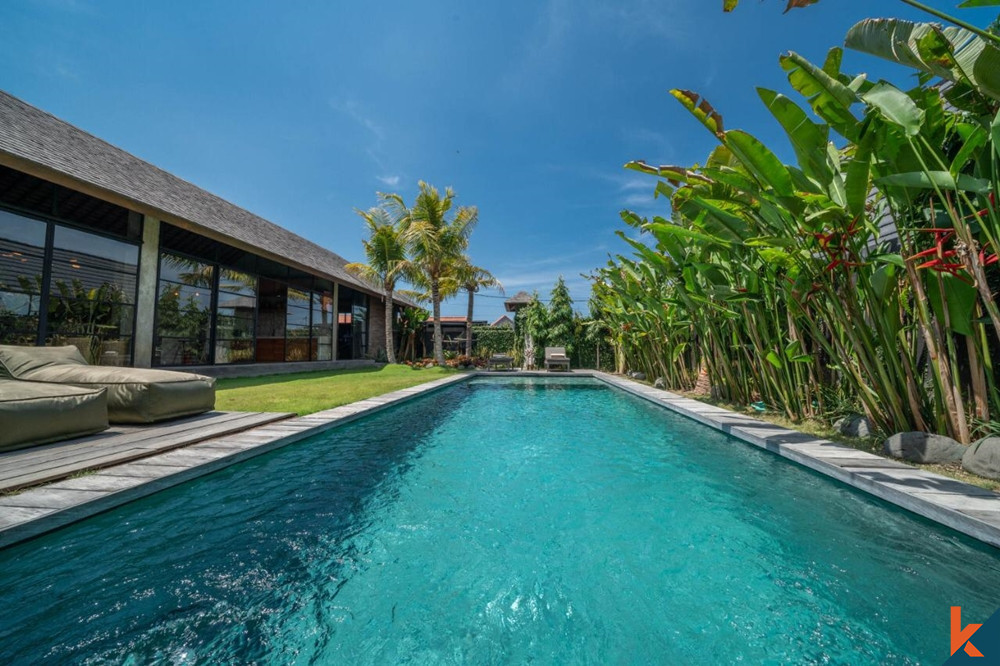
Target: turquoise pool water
x=499, y=521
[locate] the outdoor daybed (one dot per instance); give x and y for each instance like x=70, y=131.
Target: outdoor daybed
x=134, y=395
x=33, y=413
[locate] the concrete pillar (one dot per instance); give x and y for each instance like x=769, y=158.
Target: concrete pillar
x=145, y=305
x=336, y=317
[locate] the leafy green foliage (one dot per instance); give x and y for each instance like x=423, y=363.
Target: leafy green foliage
x=561, y=329
x=494, y=340
x=776, y=282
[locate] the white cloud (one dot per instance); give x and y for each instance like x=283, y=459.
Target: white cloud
x=376, y=148
x=638, y=199
x=391, y=181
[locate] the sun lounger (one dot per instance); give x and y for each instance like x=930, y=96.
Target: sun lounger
x=32, y=413
x=134, y=395
x=498, y=361
x=556, y=357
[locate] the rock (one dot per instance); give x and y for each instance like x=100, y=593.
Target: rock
x=660, y=383
x=853, y=425
x=923, y=447
x=641, y=376
x=861, y=427
x=983, y=458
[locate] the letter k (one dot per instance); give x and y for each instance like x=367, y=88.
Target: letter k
x=959, y=636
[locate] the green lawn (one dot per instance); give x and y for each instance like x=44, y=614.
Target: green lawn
x=307, y=392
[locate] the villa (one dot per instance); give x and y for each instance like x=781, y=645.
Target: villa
x=138, y=267
x=767, y=432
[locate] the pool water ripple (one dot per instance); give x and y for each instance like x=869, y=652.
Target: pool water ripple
x=499, y=522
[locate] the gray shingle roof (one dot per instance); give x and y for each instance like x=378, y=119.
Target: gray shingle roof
x=30, y=134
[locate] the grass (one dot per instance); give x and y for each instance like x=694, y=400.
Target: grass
x=870, y=444
x=308, y=392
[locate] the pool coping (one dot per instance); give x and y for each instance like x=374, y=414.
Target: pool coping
x=972, y=511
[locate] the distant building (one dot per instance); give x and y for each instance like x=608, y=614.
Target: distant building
x=452, y=333
x=503, y=322
x=517, y=301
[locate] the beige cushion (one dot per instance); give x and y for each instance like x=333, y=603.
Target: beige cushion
x=33, y=413
x=16, y=361
x=135, y=395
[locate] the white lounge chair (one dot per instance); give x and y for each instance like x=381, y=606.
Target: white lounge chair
x=556, y=357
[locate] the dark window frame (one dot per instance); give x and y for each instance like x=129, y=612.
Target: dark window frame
x=52, y=221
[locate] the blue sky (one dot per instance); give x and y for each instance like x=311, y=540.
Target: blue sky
x=301, y=111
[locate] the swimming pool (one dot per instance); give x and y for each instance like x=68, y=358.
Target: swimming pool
x=499, y=521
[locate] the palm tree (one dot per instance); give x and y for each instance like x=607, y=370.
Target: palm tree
x=385, y=250
x=436, y=241
x=472, y=278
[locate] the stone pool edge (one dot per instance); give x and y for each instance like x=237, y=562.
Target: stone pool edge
x=46, y=508
x=960, y=506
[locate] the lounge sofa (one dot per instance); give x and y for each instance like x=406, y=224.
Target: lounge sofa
x=32, y=413
x=134, y=395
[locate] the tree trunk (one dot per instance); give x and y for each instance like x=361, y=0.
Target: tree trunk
x=468, y=325
x=390, y=351
x=438, y=335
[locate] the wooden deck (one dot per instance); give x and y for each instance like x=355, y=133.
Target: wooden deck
x=119, y=444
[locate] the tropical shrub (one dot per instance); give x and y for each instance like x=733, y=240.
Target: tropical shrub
x=864, y=268
x=493, y=340
x=560, y=329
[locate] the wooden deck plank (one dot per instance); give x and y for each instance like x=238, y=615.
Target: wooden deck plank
x=153, y=439
x=52, y=462
x=157, y=441
x=118, y=433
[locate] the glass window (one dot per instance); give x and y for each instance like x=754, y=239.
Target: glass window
x=234, y=351
x=234, y=282
x=359, y=322
x=92, y=295
x=297, y=345
x=183, y=312
x=297, y=333
x=297, y=317
x=18, y=318
x=235, y=317
x=22, y=247
x=175, y=268
x=322, y=325
x=106, y=252
x=298, y=299
x=236, y=321
x=19, y=232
